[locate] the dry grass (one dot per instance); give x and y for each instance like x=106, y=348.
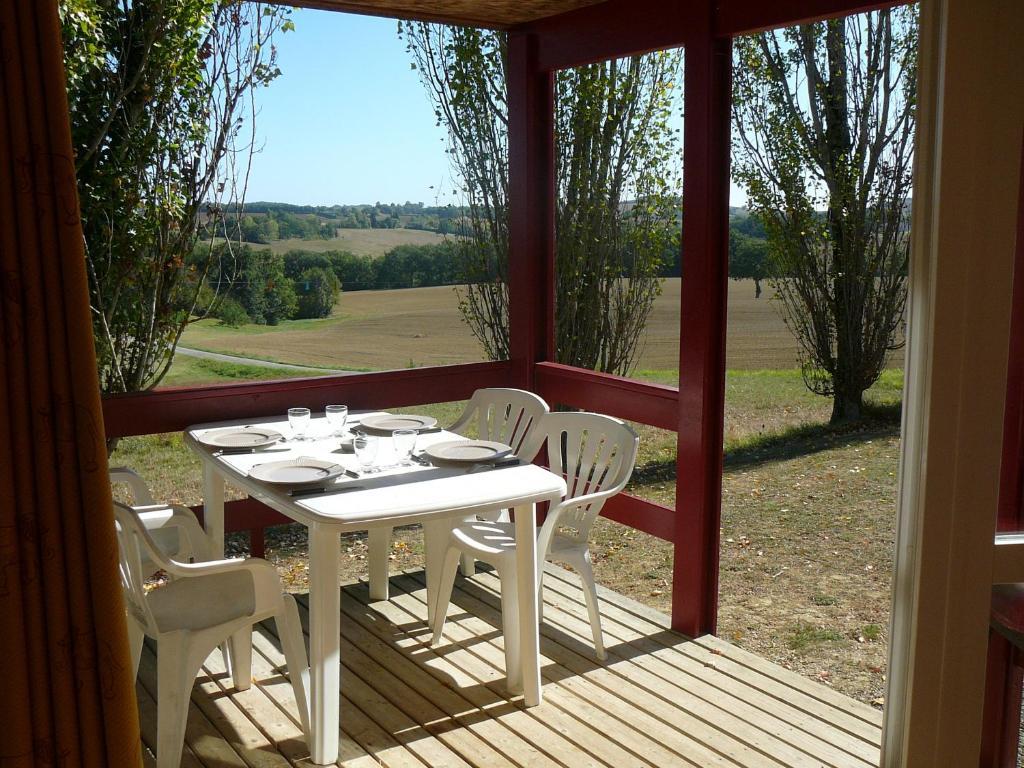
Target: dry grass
x=362, y=242
x=379, y=330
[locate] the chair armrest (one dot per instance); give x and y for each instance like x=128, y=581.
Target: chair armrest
x=193, y=540
x=212, y=567
x=141, y=495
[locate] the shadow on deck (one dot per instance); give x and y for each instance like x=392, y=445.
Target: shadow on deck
x=659, y=699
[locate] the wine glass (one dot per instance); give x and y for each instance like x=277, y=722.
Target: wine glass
x=404, y=442
x=337, y=415
x=365, y=448
x=298, y=420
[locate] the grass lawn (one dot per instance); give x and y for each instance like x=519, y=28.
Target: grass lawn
x=196, y=371
x=362, y=242
x=808, y=518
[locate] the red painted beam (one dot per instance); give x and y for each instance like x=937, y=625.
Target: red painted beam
x=702, y=332
x=170, y=410
x=531, y=208
x=744, y=17
x=653, y=404
x=246, y=514
x=646, y=516
x=1011, y=483
x=610, y=30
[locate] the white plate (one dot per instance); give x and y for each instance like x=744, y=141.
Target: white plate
x=388, y=422
x=301, y=471
x=240, y=437
x=467, y=451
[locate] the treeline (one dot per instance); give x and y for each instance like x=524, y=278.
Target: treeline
x=264, y=222
x=265, y=288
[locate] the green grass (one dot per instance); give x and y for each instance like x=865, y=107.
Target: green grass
x=871, y=632
x=803, y=635
x=196, y=371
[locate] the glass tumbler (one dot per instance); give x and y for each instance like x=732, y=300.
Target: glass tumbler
x=298, y=420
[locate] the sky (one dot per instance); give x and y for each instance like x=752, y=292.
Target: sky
x=348, y=120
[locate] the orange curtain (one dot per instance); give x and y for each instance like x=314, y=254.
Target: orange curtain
x=66, y=697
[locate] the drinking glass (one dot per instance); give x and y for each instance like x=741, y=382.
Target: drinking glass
x=298, y=420
x=337, y=415
x=404, y=442
x=365, y=448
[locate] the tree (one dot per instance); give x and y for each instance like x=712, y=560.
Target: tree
x=748, y=259
x=263, y=289
x=161, y=101
x=824, y=117
x=317, y=290
x=613, y=137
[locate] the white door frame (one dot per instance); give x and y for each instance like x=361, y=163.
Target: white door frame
x=967, y=177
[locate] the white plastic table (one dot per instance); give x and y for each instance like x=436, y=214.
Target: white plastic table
x=399, y=496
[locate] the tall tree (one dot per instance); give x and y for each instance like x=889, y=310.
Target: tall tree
x=618, y=182
x=162, y=114
x=824, y=117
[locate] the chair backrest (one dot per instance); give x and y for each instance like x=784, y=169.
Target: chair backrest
x=595, y=454
x=136, y=547
x=141, y=495
x=504, y=415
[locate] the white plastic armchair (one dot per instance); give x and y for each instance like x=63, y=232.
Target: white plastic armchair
x=174, y=528
x=202, y=606
x=501, y=414
x=595, y=454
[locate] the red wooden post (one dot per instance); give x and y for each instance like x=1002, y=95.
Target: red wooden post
x=1004, y=682
x=702, y=332
x=531, y=207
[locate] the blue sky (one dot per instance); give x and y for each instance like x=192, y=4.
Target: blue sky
x=348, y=120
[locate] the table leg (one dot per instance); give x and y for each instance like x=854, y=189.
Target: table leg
x=324, y=643
x=379, y=544
x=529, y=630
x=435, y=542
x=213, y=507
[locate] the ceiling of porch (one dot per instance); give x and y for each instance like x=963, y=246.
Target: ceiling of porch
x=478, y=13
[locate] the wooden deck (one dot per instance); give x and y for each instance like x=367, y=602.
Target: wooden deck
x=659, y=700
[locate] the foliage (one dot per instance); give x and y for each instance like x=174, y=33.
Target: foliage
x=318, y=291
x=157, y=93
x=231, y=312
x=748, y=259
x=613, y=138
x=264, y=290
x=824, y=117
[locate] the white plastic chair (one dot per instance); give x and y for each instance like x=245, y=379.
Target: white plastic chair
x=595, y=454
x=173, y=528
x=202, y=606
x=501, y=414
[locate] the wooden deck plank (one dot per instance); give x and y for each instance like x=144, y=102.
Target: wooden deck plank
x=600, y=739
x=645, y=615
x=204, y=744
x=682, y=731
x=717, y=725
x=700, y=678
x=465, y=699
x=268, y=657
x=659, y=699
x=468, y=639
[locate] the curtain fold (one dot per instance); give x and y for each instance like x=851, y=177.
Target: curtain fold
x=67, y=696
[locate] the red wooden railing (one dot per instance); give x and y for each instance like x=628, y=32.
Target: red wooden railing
x=174, y=409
